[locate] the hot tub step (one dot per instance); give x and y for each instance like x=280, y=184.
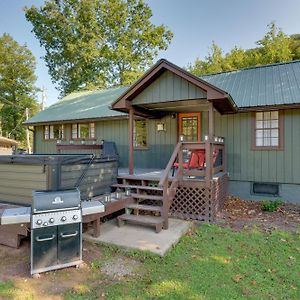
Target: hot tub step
x=157, y=222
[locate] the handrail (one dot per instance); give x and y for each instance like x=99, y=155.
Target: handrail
x=167, y=170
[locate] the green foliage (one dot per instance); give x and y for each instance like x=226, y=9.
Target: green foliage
x=270, y=205
x=96, y=43
x=17, y=86
x=274, y=47
x=211, y=263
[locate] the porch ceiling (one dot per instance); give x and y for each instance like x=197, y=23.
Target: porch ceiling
x=178, y=106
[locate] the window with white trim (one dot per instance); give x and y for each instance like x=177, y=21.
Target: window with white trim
x=54, y=132
x=83, y=131
x=267, y=129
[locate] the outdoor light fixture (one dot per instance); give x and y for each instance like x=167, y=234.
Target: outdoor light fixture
x=181, y=138
x=206, y=137
x=161, y=127
x=83, y=142
x=71, y=142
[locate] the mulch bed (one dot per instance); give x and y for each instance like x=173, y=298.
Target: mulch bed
x=242, y=214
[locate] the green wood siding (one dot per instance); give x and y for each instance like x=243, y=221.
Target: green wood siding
x=160, y=144
x=244, y=164
x=168, y=87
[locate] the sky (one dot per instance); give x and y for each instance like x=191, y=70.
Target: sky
x=195, y=24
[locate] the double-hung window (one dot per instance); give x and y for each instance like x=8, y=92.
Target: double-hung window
x=267, y=130
x=83, y=131
x=54, y=132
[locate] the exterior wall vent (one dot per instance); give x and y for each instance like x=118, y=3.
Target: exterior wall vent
x=268, y=189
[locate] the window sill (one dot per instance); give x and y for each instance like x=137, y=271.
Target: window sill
x=84, y=139
x=141, y=148
x=267, y=148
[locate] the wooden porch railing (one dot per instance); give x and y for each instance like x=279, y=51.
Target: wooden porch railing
x=207, y=172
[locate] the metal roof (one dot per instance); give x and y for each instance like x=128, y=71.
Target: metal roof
x=81, y=105
x=268, y=85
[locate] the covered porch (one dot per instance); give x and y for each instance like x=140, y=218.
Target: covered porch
x=193, y=184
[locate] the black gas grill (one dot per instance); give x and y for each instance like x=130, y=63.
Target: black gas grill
x=56, y=230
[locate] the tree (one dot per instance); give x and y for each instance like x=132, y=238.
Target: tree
x=275, y=46
x=96, y=43
x=17, y=87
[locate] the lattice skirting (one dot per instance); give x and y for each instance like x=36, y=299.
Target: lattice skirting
x=197, y=202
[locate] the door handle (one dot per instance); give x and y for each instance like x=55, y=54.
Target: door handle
x=69, y=235
x=38, y=239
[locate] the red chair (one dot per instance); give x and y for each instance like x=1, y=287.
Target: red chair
x=196, y=161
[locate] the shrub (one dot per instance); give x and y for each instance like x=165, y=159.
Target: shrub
x=270, y=205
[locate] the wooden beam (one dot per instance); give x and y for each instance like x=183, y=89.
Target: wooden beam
x=211, y=122
x=130, y=132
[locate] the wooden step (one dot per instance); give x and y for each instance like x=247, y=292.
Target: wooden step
x=143, y=220
x=147, y=197
x=144, y=207
x=141, y=187
x=139, y=177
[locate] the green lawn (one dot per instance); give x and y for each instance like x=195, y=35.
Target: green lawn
x=209, y=263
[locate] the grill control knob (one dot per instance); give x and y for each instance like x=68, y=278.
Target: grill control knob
x=39, y=222
x=45, y=224
x=51, y=220
x=63, y=219
x=75, y=217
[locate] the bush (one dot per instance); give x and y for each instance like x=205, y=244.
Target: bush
x=270, y=205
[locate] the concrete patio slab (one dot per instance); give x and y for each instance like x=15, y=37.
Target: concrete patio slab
x=139, y=237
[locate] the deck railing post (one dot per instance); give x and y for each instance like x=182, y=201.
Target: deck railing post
x=180, y=162
x=209, y=145
x=130, y=140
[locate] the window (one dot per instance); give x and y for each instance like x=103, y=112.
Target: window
x=271, y=189
x=83, y=131
x=140, y=134
x=267, y=130
x=52, y=132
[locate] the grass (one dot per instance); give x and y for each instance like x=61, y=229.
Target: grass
x=209, y=263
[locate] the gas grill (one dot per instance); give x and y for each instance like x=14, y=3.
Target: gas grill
x=56, y=230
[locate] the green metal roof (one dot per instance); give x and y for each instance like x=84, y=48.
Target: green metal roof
x=81, y=105
x=276, y=84
x=268, y=85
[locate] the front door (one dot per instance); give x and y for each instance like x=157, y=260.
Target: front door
x=189, y=127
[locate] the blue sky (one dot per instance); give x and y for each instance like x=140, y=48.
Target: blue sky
x=195, y=24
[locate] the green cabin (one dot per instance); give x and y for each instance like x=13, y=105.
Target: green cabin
x=255, y=112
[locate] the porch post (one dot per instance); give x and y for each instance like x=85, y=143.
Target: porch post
x=130, y=132
x=208, y=145
x=211, y=124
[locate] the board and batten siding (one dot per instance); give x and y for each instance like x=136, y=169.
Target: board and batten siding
x=245, y=164
x=156, y=155
x=169, y=87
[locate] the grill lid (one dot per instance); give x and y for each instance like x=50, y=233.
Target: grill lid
x=44, y=201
